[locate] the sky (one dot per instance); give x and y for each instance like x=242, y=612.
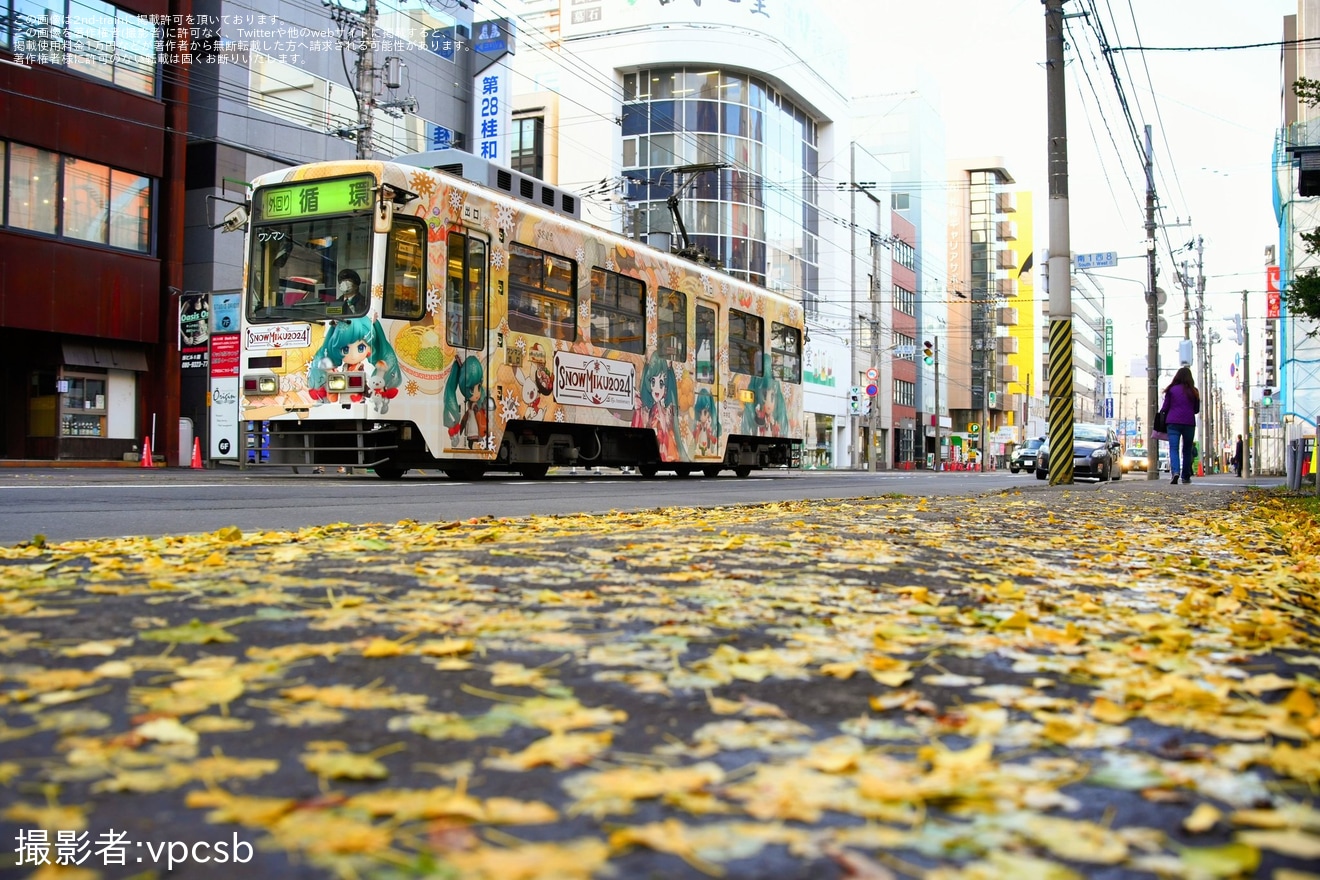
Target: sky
x=1213, y=115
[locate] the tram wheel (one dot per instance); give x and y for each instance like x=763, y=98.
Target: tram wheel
x=742, y=471
x=389, y=472
x=648, y=470
x=534, y=471
x=464, y=471
x=683, y=471
x=711, y=471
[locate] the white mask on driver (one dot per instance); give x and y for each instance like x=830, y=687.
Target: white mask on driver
x=346, y=286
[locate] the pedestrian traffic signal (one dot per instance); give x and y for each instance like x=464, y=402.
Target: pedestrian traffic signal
x=854, y=400
x=928, y=352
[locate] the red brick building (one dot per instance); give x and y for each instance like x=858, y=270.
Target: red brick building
x=92, y=129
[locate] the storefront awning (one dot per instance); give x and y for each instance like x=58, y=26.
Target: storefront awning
x=107, y=357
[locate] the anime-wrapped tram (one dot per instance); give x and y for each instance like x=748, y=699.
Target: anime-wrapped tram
x=441, y=313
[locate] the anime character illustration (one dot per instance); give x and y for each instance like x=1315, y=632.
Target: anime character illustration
x=465, y=403
x=536, y=386
x=766, y=415
x=356, y=344
x=706, y=431
x=657, y=407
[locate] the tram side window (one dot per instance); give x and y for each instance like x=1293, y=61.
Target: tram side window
x=542, y=298
x=705, y=344
x=746, y=335
x=785, y=353
x=465, y=291
x=405, y=278
x=618, y=316
x=672, y=314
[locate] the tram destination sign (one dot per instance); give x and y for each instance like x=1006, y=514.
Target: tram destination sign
x=306, y=198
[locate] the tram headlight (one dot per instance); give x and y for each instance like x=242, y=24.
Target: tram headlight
x=336, y=382
x=267, y=384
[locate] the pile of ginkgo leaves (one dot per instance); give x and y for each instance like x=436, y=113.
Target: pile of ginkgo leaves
x=1071, y=685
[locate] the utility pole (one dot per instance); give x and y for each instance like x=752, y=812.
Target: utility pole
x=939, y=451
x=1060, y=250
x=357, y=31
x=854, y=421
x=1246, y=391
x=1203, y=342
x=1152, y=320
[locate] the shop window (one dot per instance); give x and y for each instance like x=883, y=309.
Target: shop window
x=82, y=405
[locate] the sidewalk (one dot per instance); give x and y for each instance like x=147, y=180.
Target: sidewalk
x=1075, y=681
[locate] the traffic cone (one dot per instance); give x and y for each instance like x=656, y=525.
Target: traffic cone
x=197, y=452
x=1200, y=468
x=146, y=453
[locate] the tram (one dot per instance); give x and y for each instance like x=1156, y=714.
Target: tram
x=438, y=312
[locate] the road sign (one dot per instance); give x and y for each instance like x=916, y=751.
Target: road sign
x=872, y=374
x=973, y=428
x=1095, y=261
x=872, y=390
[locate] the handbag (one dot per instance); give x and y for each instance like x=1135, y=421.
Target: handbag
x=1161, y=422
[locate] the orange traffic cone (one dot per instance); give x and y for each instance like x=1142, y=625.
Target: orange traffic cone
x=197, y=452
x=146, y=453
x=1200, y=468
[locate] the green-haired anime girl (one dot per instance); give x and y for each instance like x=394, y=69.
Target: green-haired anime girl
x=658, y=409
x=356, y=344
x=766, y=415
x=465, y=402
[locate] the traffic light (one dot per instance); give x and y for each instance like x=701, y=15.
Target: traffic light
x=866, y=405
x=928, y=352
x=854, y=400
x=1267, y=397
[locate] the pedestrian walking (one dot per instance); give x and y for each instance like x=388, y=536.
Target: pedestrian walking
x=1237, y=456
x=1181, y=404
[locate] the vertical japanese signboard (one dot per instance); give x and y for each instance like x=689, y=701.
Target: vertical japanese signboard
x=225, y=351
x=492, y=117
x=1272, y=297
x=194, y=358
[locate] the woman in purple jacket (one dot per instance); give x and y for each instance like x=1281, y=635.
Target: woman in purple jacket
x=1181, y=404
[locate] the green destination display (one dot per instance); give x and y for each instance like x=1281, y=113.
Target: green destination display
x=308, y=197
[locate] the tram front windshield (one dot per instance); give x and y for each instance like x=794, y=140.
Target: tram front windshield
x=309, y=270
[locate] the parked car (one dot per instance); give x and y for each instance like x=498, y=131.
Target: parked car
x=1024, y=457
x=1135, y=459
x=1096, y=453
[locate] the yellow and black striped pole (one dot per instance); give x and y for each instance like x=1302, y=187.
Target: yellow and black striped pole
x=1059, y=276
x=1061, y=402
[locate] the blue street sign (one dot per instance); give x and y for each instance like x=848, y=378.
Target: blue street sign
x=1098, y=260
x=1109, y=407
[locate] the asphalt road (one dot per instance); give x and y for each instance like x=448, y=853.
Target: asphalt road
x=65, y=504
x=1032, y=681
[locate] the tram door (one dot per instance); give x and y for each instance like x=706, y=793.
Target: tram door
x=467, y=404
x=708, y=375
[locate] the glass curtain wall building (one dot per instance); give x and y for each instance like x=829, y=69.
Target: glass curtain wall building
x=759, y=217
